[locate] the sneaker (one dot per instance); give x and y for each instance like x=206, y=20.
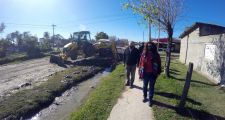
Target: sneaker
x=127, y=84
x=145, y=100
x=131, y=86
x=150, y=103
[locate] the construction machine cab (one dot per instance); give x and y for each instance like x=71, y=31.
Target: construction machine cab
x=82, y=36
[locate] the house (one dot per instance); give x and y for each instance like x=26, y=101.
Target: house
x=162, y=42
x=122, y=42
x=203, y=45
x=41, y=40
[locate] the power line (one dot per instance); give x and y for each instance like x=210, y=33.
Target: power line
x=96, y=18
x=104, y=20
x=100, y=22
x=32, y=25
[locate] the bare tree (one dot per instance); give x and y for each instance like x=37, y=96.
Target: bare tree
x=165, y=12
x=2, y=27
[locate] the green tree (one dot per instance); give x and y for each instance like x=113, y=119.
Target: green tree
x=45, y=46
x=16, y=38
x=165, y=12
x=30, y=45
x=46, y=35
x=101, y=35
x=4, y=45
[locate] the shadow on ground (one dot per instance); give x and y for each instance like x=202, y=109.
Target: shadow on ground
x=190, y=112
x=177, y=97
x=137, y=87
x=193, y=81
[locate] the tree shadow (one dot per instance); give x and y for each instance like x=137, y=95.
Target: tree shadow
x=193, y=81
x=190, y=112
x=174, y=70
x=200, y=82
x=174, y=73
x=177, y=97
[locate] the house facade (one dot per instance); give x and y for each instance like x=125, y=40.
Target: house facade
x=162, y=42
x=203, y=45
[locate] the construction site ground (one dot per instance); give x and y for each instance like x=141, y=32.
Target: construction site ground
x=18, y=76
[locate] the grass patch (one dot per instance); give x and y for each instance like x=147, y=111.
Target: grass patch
x=205, y=100
x=101, y=101
x=26, y=103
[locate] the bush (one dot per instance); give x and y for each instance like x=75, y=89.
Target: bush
x=34, y=52
x=45, y=47
x=2, y=53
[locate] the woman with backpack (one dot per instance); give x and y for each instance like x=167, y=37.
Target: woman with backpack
x=149, y=69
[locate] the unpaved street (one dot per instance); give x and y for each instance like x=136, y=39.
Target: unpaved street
x=31, y=72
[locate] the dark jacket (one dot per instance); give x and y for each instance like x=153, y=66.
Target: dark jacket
x=131, y=56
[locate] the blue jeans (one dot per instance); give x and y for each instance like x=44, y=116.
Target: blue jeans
x=149, y=79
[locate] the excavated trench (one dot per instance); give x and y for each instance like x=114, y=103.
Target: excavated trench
x=28, y=74
x=70, y=100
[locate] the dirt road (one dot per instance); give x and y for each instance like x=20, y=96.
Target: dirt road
x=27, y=73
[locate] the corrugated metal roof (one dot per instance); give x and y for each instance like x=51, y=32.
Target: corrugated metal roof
x=196, y=25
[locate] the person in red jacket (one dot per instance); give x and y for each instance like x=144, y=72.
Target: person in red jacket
x=149, y=69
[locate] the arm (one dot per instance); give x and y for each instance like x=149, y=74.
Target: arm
x=159, y=63
x=138, y=57
x=124, y=56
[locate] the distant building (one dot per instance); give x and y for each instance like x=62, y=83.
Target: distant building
x=163, y=44
x=122, y=42
x=203, y=44
x=41, y=40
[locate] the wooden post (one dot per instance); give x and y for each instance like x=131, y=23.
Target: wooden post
x=186, y=86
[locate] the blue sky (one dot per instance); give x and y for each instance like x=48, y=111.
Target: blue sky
x=69, y=16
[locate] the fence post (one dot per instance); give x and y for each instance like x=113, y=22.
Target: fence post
x=186, y=86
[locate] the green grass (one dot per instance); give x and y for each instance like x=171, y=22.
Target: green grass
x=27, y=102
x=205, y=100
x=101, y=101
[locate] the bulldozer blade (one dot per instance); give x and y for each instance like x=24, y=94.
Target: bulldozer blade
x=56, y=59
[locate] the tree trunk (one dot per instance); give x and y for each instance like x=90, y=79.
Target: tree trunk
x=168, y=51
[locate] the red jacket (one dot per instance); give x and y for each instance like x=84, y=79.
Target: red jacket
x=150, y=63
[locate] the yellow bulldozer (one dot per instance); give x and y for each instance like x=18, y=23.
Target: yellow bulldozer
x=82, y=46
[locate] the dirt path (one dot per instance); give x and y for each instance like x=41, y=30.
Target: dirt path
x=130, y=105
x=12, y=76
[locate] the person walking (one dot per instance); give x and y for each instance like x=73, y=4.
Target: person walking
x=131, y=56
x=140, y=50
x=149, y=69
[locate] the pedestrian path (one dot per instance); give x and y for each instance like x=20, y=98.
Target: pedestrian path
x=130, y=106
